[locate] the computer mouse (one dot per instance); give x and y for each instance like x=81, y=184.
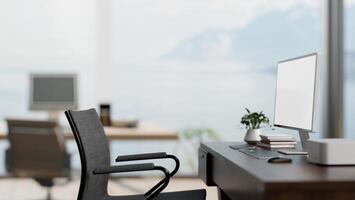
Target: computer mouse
x=279, y=159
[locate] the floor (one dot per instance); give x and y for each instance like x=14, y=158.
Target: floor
x=23, y=189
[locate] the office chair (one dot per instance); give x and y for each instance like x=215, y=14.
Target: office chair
x=37, y=150
x=95, y=163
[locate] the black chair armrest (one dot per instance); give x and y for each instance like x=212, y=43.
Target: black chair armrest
x=144, y=156
x=139, y=167
x=124, y=168
x=149, y=156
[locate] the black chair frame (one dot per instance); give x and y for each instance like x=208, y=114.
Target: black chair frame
x=149, y=156
x=153, y=192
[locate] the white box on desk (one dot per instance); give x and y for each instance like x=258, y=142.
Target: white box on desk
x=334, y=151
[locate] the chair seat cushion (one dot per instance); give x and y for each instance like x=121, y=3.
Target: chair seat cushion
x=180, y=195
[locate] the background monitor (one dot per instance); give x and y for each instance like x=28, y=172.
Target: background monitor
x=53, y=92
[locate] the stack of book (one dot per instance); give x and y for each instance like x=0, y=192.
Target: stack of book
x=277, y=141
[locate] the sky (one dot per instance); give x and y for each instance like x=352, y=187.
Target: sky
x=150, y=28
x=51, y=33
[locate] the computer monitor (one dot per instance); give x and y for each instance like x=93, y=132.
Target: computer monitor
x=296, y=95
x=53, y=92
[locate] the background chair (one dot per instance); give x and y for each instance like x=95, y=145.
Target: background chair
x=95, y=163
x=37, y=150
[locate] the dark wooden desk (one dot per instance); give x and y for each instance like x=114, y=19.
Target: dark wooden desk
x=241, y=177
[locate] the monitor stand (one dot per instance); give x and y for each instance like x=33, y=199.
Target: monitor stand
x=304, y=136
x=53, y=115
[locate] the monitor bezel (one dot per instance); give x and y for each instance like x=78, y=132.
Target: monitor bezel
x=53, y=106
x=314, y=93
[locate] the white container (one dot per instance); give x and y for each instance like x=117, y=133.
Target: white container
x=252, y=136
x=331, y=151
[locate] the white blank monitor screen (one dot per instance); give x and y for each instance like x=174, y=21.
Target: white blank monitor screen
x=295, y=93
x=53, y=91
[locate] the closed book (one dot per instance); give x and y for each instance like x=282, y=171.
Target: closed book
x=269, y=146
x=278, y=142
x=277, y=137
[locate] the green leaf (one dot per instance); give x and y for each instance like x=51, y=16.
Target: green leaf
x=254, y=119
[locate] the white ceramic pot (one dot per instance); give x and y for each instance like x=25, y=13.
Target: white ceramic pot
x=252, y=136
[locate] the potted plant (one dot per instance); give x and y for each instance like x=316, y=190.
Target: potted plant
x=253, y=122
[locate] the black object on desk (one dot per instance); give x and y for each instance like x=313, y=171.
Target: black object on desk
x=239, y=176
x=279, y=159
x=254, y=151
x=105, y=114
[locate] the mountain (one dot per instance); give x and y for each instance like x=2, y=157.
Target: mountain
x=267, y=39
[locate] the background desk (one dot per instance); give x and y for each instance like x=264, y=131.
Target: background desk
x=142, y=132
x=242, y=177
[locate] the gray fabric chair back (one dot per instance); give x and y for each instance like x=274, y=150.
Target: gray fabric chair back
x=94, y=152
x=36, y=150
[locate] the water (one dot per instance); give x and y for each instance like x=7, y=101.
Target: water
x=184, y=96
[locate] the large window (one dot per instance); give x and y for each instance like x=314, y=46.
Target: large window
x=200, y=63
x=178, y=63
x=349, y=66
